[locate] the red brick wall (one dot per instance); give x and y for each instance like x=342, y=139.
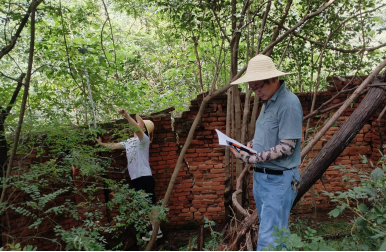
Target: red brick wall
x=367, y=142
x=199, y=189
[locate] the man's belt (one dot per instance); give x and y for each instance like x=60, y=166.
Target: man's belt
x=267, y=171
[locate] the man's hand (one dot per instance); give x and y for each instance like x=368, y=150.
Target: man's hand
x=233, y=151
x=237, y=154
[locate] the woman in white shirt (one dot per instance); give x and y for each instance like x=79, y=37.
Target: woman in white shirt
x=137, y=153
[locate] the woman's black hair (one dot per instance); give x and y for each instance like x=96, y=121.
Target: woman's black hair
x=146, y=132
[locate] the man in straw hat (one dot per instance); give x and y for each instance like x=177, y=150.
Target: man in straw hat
x=137, y=154
x=277, y=144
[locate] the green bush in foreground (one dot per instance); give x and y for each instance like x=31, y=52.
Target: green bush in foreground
x=43, y=187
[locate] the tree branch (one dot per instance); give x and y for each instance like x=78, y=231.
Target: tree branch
x=369, y=49
x=263, y=22
x=33, y=7
x=102, y=46
x=16, y=36
x=285, y=51
x=8, y=77
x=305, y=19
x=277, y=29
x=189, y=138
x=112, y=38
x=66, y=46
x=15, y=94
x=347, y=103
x=254, y=15
x=239, y=190
x=219, y=25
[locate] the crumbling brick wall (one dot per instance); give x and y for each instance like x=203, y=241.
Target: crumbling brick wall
x=200, y=184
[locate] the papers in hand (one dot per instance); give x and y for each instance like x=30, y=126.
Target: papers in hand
x=225, y=140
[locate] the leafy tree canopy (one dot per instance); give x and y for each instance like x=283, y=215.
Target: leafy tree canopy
x=146, y=56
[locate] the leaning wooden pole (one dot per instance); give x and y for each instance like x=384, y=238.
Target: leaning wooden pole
x=189, y=139
x=335, y=146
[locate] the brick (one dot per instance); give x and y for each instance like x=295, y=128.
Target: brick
x=205, y=167
x=200, y=187
x=213, y=162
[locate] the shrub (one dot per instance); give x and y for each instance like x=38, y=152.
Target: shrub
x=367, y=201
x=37, y=191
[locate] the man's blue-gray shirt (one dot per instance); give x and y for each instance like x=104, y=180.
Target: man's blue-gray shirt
x=280, y=118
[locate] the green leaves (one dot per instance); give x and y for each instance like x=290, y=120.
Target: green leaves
x=383, y=246
x=76, y=173
x=368, y=203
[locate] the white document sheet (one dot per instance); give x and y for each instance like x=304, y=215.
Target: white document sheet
x=222, y=140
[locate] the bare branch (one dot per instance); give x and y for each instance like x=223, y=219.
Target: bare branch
x=18, y=5
x=102, y=45
x=277, y=28
x=368, y=49
x=254, y=15
x=16, y=36
x=8, y=77
x=321, y=57
x=186, y=145
x=219, y=25
x=285, y=51
x=263, y=22
x=239, y=190
x=9, y=55
x=112, y=38
x=15, y=94
x=347, y=103
x=66, y=46
x=300, y=23
x=243, y=13
x=195, y=42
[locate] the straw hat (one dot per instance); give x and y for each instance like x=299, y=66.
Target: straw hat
x=260, y=67
x=148, y=124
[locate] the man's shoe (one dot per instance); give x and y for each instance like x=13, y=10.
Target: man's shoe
x=147, y=237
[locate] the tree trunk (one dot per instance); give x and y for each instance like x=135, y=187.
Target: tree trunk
x=335, y=146
x=7, y=173
x=228, y=168
x=3, y=150
x=4, y=112
x=245, y=227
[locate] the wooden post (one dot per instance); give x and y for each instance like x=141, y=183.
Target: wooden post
x=200, y=238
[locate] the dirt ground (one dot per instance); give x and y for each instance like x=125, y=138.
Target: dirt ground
x=179, y=239
x=172, y=240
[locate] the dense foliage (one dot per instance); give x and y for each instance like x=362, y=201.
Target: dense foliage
x=78, y=173
x=142, y=55
x=146, y=56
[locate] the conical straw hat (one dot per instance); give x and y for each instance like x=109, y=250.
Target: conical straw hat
x=260, y=67
x=148, y=124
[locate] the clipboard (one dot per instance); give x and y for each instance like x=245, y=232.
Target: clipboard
x=227, y=141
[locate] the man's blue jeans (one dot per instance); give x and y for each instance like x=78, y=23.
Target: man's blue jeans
x=274, y=197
